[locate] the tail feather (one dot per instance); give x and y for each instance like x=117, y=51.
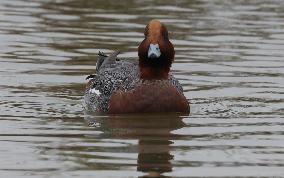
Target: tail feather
x=101, y=57
x=111, y=59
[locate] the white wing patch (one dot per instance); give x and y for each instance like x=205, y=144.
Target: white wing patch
x=97, y=92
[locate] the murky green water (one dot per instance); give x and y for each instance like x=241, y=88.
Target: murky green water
x=229, y=58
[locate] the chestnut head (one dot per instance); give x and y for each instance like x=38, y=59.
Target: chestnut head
x=156, y=52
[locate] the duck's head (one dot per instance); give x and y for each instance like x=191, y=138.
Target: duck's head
x=156, y=52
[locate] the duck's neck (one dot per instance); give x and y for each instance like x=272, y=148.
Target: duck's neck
x=150, y=73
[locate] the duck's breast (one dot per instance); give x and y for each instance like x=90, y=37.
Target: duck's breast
x=149, y=97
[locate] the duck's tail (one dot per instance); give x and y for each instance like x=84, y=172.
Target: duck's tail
x=101, y=57
x=104, y=61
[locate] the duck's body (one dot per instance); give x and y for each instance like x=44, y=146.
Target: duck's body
x=121, y=86
x=119, y=76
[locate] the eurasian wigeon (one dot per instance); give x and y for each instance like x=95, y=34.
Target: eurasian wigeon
x=146, y=85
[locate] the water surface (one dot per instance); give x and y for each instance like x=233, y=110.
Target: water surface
x=229, y=59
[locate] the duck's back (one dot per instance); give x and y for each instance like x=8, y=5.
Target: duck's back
x=115, y=76
x=111, y=74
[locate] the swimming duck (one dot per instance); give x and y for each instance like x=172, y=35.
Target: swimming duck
x=125, y=86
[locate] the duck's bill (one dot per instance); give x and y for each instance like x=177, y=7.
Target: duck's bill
x=154, y=51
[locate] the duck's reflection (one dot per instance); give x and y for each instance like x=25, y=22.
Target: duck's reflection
x=154, y=135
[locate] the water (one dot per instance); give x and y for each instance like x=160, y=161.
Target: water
x=229, y=58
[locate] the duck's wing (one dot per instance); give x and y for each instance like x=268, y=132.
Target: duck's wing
x=176, y=83
x=111, y=74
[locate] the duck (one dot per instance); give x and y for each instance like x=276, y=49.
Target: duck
x=146, y=85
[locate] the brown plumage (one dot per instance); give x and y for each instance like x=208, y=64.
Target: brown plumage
x=155, y=33
x=149, y=96
x=154, y=93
